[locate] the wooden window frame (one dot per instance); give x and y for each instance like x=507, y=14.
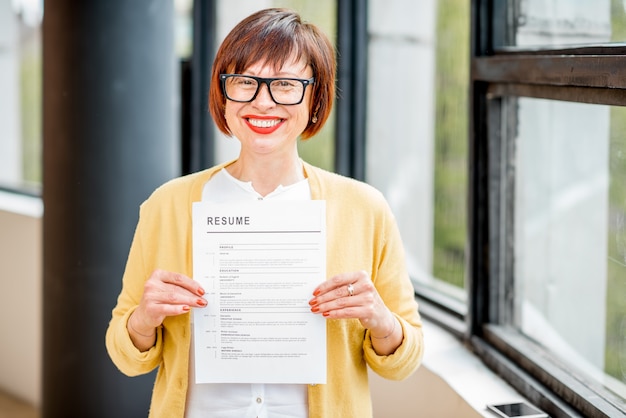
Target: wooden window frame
x=582, y=73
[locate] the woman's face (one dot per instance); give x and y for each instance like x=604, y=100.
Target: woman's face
x=262, y=126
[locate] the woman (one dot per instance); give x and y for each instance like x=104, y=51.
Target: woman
x=273, y=81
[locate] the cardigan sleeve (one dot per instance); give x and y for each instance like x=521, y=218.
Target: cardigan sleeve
x=358, y=210
x=128, y=359
x=392, y=282
x=162, y=240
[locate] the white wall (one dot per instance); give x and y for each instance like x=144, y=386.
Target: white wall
x=21, y=290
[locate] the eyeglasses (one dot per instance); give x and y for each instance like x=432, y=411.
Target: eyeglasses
x=284, y=91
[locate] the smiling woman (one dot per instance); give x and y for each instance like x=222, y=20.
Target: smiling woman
x=237, y=56
x=273, y=82
x=320, y=151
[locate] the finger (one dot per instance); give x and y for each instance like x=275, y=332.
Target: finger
x=340, y=303
x=340, y=282
x=328, y=293
x=174, y=296
x=154, y=314
x=347, y=307
x=350, y=289
x=173, y=310
x=166, y=288
x=180, y=280
x=363, y=302
x=156, y=306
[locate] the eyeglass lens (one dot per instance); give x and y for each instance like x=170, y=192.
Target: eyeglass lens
x=283, y=91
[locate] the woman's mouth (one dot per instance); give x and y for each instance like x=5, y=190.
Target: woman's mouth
x=264, y=126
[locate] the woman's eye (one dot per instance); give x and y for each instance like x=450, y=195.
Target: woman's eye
x=284, y=84
x=243, y=81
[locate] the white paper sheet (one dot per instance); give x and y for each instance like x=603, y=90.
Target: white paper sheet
x=259, y=263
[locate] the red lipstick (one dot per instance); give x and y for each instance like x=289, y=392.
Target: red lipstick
x=263, y=124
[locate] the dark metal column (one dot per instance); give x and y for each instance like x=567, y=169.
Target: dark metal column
x=202, y=142
x=110, y=137
x=352, y=40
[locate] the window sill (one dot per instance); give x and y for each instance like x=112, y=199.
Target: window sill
x=464, y=372
x=21, y=204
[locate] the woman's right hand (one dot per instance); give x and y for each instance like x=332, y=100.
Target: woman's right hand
x=165, y=294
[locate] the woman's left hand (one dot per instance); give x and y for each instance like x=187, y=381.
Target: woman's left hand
x=353, y=295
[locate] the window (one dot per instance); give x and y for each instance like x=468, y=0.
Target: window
x=20, y=83
x=569, y=234
x=183, y=27
x=547, y=200
x=20, y=103
x=417, y=153
x=544, y=24
x=450, y=148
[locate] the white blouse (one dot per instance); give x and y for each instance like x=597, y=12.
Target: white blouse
x=244, y=400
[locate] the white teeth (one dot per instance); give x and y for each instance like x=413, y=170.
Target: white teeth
x=264, y=123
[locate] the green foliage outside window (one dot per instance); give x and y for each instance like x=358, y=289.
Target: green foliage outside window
x=451, y=138
x=30, y=107
x=615, y=351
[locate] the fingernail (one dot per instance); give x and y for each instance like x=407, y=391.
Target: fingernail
x=202, y=302
x=326, y=314
x=185, y=308
x=315, y=309
x=313, y=302
x=200, y=291
x=317, y=292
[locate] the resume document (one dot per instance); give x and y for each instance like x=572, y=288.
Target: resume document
x=259, y=263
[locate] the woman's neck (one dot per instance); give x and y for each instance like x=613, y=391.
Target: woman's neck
x=266, y=174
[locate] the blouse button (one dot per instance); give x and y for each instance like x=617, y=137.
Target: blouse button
x=259, y=400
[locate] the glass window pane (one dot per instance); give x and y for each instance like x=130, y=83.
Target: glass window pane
x=20, y=102
x=319, y=150
x=183, y=27
x=451, y=153
x=570, y=234
x=568, y=22
x=417, y=134
x=20, y=83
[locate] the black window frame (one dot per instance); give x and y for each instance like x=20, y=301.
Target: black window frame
x=351, y=102
x=499, y=74
x=196, y=133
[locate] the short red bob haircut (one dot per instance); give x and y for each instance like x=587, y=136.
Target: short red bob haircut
x=273, y=37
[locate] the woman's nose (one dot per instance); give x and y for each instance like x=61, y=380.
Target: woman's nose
x=263, y=97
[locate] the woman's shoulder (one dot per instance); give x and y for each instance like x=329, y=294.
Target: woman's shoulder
x=183, y=189
x=337, y=185
x=179, y=183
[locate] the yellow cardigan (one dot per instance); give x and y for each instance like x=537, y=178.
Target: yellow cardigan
x=361, y=235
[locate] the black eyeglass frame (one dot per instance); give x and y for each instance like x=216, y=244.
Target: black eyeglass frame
x=260, y=81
